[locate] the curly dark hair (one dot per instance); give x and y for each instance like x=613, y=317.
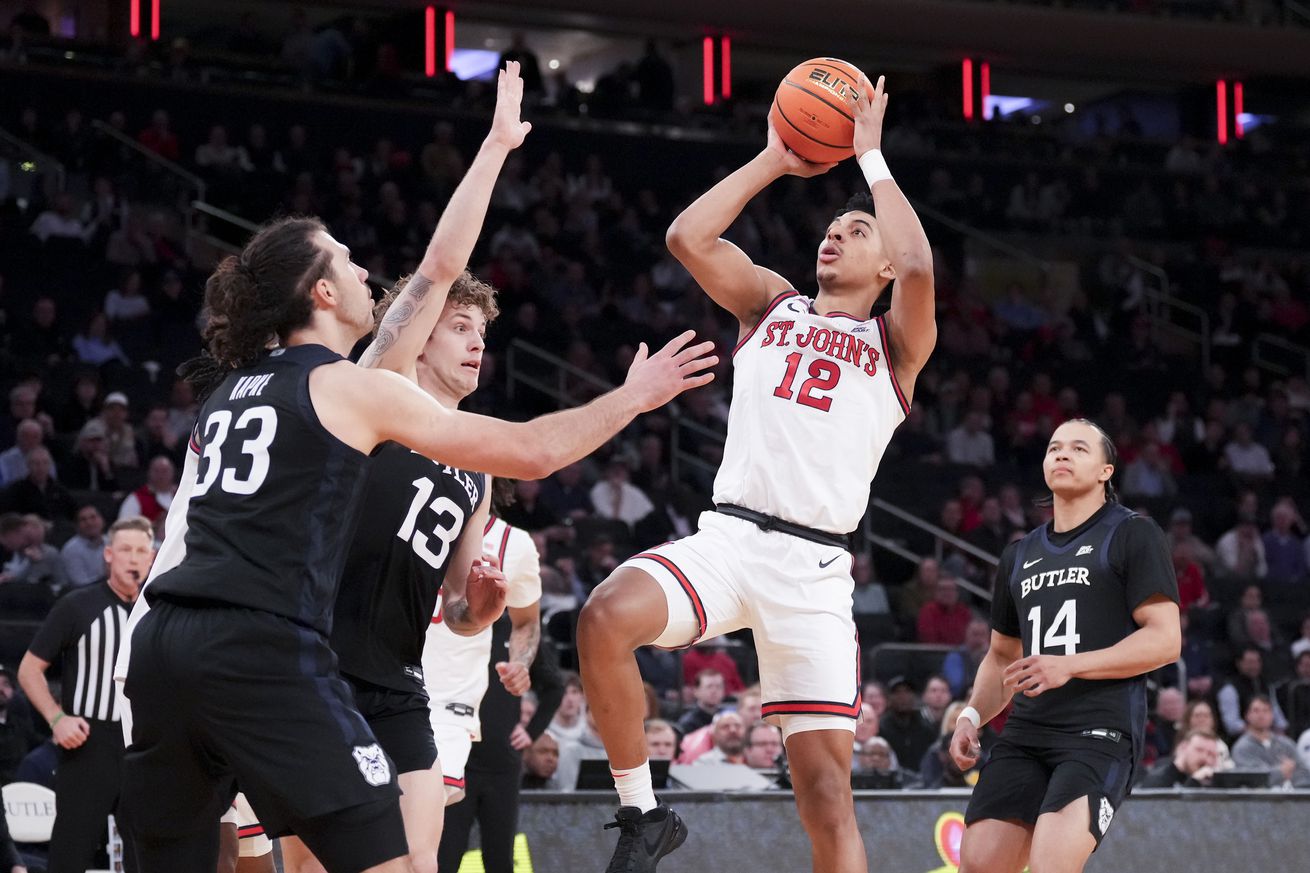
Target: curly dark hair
x=466, y=290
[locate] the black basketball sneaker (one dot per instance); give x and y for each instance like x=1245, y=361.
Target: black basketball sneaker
x=644, y=839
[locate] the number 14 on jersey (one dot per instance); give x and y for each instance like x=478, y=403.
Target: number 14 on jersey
x=1062, y=636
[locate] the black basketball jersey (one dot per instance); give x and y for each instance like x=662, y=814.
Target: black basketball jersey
x=273, y=506
x=412, y=516
x=1071, y=592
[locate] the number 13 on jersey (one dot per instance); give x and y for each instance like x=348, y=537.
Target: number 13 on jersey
x=1062, y=636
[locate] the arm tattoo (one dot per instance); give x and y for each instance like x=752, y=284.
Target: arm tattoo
x=399, y=316
x=523, y=644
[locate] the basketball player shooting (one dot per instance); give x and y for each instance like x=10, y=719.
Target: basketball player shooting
x=1083, y=608
x=812, y=375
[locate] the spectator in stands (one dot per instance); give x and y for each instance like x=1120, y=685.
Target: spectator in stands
x=1192, y=765
x=763, y=746
x=61, y=221
x=936, y=698
x=157, y=438
x=83, y=555
x=1246, y=458
x=566, y=495
x=153, y=498
x=41, y=342
x=572, y=752
x=1162, y=725
x=1273, y=649
x=903, y=725
x=82, y=405
x=118, y=432
x=90, y=468
x=159, y=137
x=1259, y=748
x=1293, y=697
x=540, y=762
x=528, y=511
x=616, y=498
x=708, y=696
x=1284, y=546
x=992, y=533
x=1199, y=715
x=712, y=656
x=1148, y=475
x=662, y=670
x=568, y=723
x=661, y=740
x=40, y=493
x=1247, y=683
x=17, y=735
x=869, y=597
x=1191, y=578
x=1252, y=598
x=126, y=303
x=13, y=460
x=1197, y=657
x=918, y=591
x=878, y=759
x=960, y=666
x=1241, y=550
x=40, y=563
x=1180, y=531
x=944, y=619
x=970, y=443
x=94, y=345
x=729, y=740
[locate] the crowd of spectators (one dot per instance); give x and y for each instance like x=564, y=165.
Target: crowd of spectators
x=100, y=295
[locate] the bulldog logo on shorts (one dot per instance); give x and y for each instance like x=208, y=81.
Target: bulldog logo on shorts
x=1107, y=813
x=373, y=764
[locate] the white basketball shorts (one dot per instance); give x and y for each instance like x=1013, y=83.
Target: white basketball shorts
x=453, y=746
x=794, y=595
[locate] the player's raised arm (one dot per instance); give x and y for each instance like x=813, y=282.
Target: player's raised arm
x=912, y=319
x=411, y=317
x=695, y=238
x=384, y=407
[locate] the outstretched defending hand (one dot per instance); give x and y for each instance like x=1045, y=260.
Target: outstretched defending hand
x=485, y=591
x=791, y=163
x=506, y=128
x=965, y=747
x=870, y=108
x=654, y=380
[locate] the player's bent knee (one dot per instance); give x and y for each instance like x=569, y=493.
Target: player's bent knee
x=824, y=802
x=625, y=611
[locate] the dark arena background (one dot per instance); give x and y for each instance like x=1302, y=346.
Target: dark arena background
x=1117, y=194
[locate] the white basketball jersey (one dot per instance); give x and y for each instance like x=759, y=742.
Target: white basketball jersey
x=455, y=668
x=814, y=404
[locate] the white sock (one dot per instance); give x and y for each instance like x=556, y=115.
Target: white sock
x=634, y=787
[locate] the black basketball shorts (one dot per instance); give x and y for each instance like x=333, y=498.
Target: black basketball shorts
x=1020, y=782
x=221, y=694
x=401, y=722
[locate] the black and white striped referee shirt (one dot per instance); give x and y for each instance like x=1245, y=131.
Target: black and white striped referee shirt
x=86, y=627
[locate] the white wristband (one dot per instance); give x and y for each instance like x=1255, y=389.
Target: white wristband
x=972, y=715
x=874, y=167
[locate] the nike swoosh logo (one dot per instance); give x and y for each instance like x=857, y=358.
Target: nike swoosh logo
x=824, y=564
x=1027, y=564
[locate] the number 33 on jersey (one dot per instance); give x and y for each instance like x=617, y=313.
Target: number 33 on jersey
x=806, y=383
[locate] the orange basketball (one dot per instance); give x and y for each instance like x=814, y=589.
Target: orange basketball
x=814, y=109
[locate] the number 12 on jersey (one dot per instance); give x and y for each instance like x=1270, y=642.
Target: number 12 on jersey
x=1062, y=634
x=823, y=377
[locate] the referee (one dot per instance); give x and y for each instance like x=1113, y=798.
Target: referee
x=85, y=629
x=1084, y=607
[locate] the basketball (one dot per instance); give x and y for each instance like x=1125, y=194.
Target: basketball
x=814, y=109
